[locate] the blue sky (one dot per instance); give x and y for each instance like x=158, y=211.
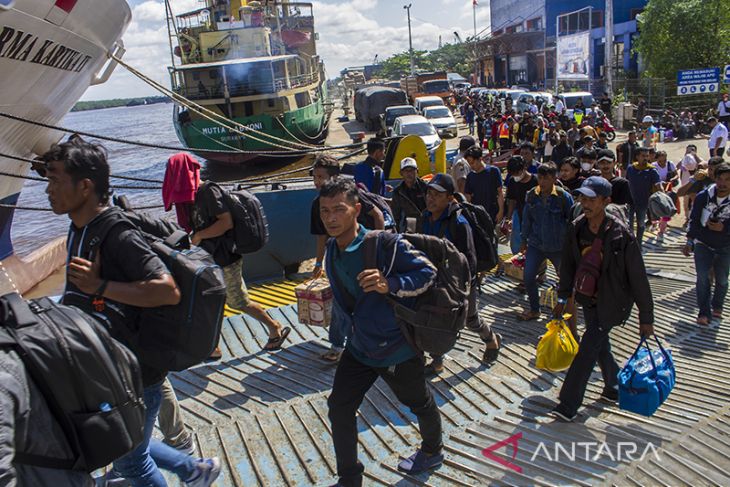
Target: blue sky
x=351, y=33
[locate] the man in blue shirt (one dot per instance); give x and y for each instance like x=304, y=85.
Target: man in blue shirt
x=643, y=181
x=376, y=346
x=369, y=172
x=443, y=218
x=544, y=220
x=484, y=185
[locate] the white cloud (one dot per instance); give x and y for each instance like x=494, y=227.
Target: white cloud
x=350, y=33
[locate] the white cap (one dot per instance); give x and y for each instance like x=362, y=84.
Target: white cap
x=648, y=119
x=408, y=162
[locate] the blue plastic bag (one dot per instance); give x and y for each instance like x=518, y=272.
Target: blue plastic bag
x=646, y=380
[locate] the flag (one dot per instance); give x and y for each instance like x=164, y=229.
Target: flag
x=66, y=5
x=474, y=3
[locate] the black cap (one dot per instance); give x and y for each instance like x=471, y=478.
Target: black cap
x=443, y=183
x=595, y=186
x=466, y=142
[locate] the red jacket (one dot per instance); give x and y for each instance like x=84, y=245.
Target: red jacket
x=182, y=178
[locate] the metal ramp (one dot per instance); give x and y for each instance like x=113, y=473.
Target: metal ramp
x=265, y=414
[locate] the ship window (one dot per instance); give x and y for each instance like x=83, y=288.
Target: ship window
x=271, y=102
x=302, y=99
x=248, y=108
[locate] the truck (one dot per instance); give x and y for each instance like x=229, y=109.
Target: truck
x=428, y=84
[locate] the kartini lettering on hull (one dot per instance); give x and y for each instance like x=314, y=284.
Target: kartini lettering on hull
x=25, y=47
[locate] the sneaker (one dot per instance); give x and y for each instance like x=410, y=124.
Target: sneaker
x=207, y=471
x=609, y=395
x=186, y=446
x=561, y=415
x=420, y=462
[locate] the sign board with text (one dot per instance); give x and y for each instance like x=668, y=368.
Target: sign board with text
x=574, y=56
x=726, y=74
x=698, y=81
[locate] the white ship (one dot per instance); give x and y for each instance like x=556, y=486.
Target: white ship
x=51, y=51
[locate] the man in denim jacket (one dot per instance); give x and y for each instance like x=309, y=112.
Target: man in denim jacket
x=544, y=219
x=376, y=347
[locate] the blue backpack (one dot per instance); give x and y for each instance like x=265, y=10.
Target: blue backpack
x=646, y=380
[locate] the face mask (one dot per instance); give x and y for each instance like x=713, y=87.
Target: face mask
x=519, y=178
x=586, y=166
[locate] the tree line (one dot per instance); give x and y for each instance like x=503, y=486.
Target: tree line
x=118, y=102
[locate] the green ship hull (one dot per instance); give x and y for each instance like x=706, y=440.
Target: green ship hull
x=302, y=127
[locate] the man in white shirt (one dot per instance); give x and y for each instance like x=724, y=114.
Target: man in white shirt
x=723, y=111
x=718, y=137
x=559, y=106
x=461, y=169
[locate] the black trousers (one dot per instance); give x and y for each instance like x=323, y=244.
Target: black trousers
x=594, y=347
x=352, y=381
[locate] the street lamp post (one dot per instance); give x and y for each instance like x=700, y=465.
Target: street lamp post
x=410, y=38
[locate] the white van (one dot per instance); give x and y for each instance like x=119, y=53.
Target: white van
x=428, y=101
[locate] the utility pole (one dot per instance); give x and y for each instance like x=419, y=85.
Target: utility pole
x=476, y=59
x=410, y=38
x=608, y=65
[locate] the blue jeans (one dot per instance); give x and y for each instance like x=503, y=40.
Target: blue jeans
x=515, y=238
x=139, y=466
x=640, y=213
x=533, y=260
x=594, y=347
x=707, y=259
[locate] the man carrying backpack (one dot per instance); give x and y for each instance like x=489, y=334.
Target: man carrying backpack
x=602, y=265
x=370, y=172
x=709, y=238
x=443, y=219
x=111, y=277
x=211, y=219
x=545, y=217
x=484, y=185
x=376, y=346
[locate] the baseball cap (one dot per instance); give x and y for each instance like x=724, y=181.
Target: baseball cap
x=408, y=162
x=587, y=138
x=648, y=119
x=595, y=186
x=562, y=133
x=443, y=183
x=606, y=154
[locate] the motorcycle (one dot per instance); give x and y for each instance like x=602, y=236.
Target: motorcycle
x=605, y=126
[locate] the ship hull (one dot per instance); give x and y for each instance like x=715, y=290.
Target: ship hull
x=301, y=129
x=49, y=55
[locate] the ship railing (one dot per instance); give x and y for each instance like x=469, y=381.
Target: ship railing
x=246, y=89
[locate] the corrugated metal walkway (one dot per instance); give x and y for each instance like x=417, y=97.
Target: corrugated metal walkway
x=265, y=414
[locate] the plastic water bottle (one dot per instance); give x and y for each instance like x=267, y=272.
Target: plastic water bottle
x=105, y=407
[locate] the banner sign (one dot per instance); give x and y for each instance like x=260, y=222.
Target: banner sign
x=574, y=56
x=698, y=81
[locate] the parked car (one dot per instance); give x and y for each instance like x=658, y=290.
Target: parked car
x=570, y=99
x=417, y=125
x=442, y=119
x=391, y=113
x=428, y=101
x=538, y=97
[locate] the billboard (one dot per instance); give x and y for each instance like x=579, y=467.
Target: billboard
x=574, y=56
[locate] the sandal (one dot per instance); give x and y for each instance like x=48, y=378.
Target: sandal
x=528, y=316
x=216, y=354
x=703, y=320
x=332, y=355
x=275, y=343
x=491, y=354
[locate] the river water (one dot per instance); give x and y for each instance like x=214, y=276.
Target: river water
x=147, y=123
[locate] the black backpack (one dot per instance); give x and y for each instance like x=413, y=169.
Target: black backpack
x=91, y=382
x=439, y=314
x=378, y=202
x=483, y=234
x=180, y=336
x=250, y=226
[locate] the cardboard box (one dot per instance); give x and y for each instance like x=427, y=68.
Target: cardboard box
x=514, y=267
x=314, y=302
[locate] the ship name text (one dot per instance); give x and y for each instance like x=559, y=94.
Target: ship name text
x=27, y=47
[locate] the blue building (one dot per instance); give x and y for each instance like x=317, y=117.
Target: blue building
x=521, y=46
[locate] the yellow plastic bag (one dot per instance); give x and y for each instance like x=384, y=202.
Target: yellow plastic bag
x=549, y=297
x=557, y=348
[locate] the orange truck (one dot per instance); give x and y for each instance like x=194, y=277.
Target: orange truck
x=428, y=84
